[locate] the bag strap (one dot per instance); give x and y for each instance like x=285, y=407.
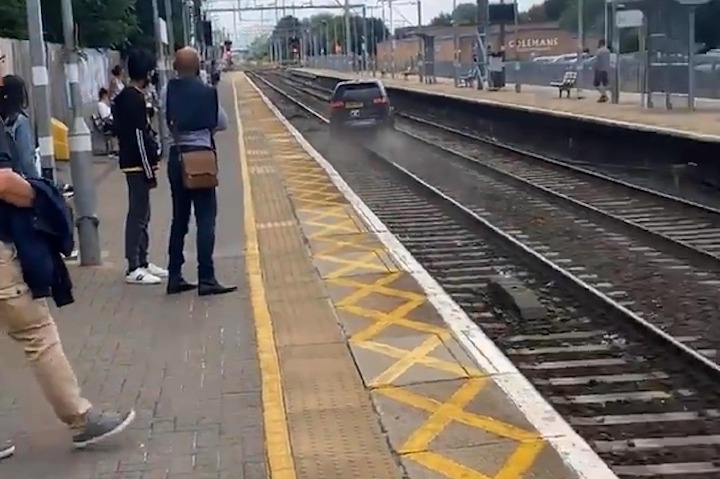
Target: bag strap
x=170, y=122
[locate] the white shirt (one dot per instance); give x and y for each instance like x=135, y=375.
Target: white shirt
x=116, y=87
x=104, y=111
x=204, y=76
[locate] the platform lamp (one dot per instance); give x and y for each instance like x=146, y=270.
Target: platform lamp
x=581, y=47
x=518, y=82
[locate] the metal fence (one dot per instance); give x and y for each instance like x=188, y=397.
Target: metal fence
x=670, y=76
x=94, y=72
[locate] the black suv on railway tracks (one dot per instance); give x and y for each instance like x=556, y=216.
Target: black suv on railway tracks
x=360, y=105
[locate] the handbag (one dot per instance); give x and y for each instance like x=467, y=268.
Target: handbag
x=199, y=168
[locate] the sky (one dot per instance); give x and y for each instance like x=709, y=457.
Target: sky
x=243, y=27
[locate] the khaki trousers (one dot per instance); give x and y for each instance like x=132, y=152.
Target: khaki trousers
x=28, y=322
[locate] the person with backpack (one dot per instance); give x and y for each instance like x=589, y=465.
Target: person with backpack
x=17, y=125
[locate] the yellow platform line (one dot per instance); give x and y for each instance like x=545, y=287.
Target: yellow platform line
x=281, y=464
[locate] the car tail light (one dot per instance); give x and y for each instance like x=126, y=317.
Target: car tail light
x=380, y=101
x=337, y=104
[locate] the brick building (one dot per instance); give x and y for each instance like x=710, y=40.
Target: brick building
x=530, y=41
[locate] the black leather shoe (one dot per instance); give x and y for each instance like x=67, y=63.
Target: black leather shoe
x=179, y=286
x=211, y=289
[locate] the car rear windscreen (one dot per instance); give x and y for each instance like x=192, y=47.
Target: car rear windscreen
x=359, y=92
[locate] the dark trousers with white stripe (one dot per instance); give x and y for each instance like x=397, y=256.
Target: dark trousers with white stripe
x=137, y=239
x=204, y=202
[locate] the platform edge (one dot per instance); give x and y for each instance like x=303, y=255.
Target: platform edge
x=574, y=450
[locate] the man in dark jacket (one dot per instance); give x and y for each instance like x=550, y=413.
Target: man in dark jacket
x=25, y=317
x=193, y=114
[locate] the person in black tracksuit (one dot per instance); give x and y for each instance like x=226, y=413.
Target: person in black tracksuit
x=138, y=158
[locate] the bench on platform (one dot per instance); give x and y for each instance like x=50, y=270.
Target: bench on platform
x=568, y=82
x=466, y=80
x=409, y=72
x=102, y=129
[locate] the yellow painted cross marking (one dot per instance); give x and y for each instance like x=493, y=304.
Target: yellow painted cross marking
x=428, y=361
x=415, y=447
x=368, y=261
x=407, y=361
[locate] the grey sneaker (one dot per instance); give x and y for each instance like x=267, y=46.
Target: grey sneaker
x=7, y=449
x=102, y=425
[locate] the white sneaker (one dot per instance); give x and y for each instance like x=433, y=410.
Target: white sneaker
x=156, y=270
x=142, y=276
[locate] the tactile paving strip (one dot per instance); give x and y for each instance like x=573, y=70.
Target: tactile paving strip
x=332, y=426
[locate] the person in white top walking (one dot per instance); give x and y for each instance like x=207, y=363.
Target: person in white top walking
x=116, y=82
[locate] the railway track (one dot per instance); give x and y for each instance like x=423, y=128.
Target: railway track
x=676, y=221
x=634, y=391
x=661, y=245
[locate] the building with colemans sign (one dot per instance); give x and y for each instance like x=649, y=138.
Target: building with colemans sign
x=531, y=40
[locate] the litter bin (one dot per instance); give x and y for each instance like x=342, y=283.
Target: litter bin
x=497, y=78
x=496, y=71
x=60, y=136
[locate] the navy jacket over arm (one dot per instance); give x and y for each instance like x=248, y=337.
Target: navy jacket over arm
x=42, y=234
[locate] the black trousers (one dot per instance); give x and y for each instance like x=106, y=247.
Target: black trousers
x=184, y=201
x=137, y=239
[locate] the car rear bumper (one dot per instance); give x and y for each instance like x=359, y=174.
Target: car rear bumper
x=364, y=124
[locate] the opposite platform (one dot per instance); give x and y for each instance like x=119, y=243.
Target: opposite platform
x=702, y=124
x=369, y=370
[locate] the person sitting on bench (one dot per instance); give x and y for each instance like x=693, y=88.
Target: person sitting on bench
x=105, y=125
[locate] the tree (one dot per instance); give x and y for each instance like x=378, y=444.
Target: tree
x=442, y=20
x=100, y=23
x=329, y=32
x=592, y=16
x=534, y=14
x=259, y=47
x=144, y=34
x=12, y=19
x=707, y=21
x=465, y=14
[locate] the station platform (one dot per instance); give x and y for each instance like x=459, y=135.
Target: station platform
x=338, y=358
x=701, y=124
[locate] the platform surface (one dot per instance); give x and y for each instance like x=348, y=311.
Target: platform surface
x=330, y=362
x=188, y=365
x=702, y=124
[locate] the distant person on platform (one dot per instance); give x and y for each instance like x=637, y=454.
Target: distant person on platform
x=13, y=112
x=203, y=74
x=193, y=114
x=116, y=83
x=602, y=70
